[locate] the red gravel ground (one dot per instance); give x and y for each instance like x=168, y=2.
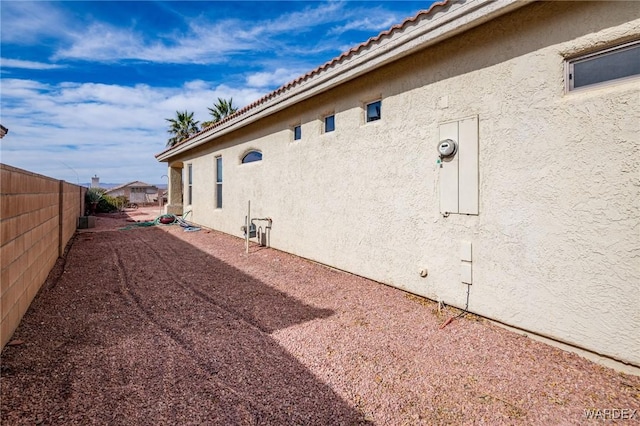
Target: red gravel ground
x=154, y=325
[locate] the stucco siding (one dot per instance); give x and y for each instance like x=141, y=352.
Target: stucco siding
x=556, y=242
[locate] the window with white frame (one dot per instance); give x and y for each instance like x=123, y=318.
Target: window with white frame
x=252, y=156
x=329, y=123
x=218, y=182
x=612, y=64
x=373, y=111
x=189, y=183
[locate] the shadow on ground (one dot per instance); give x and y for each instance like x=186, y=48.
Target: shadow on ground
x=140, y=327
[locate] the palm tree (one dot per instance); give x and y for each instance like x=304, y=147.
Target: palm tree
x=181, y=127
x=220, y=110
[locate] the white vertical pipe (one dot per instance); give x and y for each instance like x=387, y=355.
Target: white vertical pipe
x=247, y=229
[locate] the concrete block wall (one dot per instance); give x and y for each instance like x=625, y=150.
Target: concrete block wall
x=38, y=217
x=72, y=208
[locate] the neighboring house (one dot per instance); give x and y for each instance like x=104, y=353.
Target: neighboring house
x=136, y=192
x=531, y=217
x=164, y=196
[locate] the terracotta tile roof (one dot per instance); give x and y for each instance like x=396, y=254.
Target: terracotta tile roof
x=349, y=53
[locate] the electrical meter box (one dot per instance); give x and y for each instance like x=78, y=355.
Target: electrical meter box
x=458, y=158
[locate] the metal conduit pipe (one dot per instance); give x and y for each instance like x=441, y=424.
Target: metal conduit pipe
x=268, y=219
x=248, y=225
x=260, y=234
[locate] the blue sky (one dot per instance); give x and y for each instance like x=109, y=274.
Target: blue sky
x=86, y=85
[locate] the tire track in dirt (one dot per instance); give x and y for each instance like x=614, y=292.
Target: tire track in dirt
x=127, y=292
x=133, y=300
x=167, y=259
x=199, y=293
x=258, y=410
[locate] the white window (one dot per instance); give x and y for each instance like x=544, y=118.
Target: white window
x=612, y=64
x=218, y=182
x=329, y=123
x=373, y=111
x=252, y=156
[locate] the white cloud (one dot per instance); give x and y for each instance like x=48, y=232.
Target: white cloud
x=87, y=128
x=203, y=42
x=30, y=65
x=375, y=23
x=102, y=42
x=26, y=22
x=294, y=22
x=278, y=77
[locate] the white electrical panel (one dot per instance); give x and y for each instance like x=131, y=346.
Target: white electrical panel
x=465, y=273
x=468, y=166
x=449, y=172
x=459, y=172
x=465, y=251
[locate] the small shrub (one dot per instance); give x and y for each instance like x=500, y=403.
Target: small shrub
x=120, y=202
x=94, y=195
x=107, y=204
x=91, y=199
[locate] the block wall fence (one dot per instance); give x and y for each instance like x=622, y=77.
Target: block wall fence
x=38, y=217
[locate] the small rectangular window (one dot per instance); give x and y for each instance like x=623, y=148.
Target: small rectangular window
x=297, y=133
x=218, y=182
x=329, y=123
x=606, y=65
x=190, y=183
x=374, y=111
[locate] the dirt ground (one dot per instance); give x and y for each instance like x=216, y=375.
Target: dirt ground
x=128, y=217
x=154, y=325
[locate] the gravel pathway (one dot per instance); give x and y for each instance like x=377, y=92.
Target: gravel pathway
x=159, y=326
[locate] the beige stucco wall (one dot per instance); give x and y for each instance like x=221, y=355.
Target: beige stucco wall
x=38, y=217
x=556, y=243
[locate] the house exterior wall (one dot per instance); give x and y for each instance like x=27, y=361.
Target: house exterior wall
x=118, y=193
x=135, y=194
x=555, y=244
x=38, y=217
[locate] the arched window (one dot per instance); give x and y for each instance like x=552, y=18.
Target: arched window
x=252, y=156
